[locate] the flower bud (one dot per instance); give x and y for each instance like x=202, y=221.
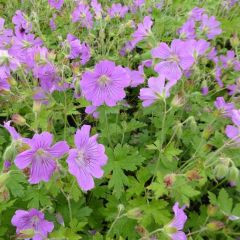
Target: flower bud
x=135, y=213
x=18, y=119
x=26, y=234
x=220, y=171
x=121, y=207
x=211, y=210
x=178, y=101
x=59, y=218
x=4, y=194
x=169, y=180
x=234, y=40
x=193, y=175
x=141, y=230
x=215, y=225
x=10, y=153
x=37, y=106
x=233, y=174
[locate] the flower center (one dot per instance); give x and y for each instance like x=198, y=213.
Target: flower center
x=104, y=80
x=40, y=152
x=4, y=57
x=80, y=158
x=35, y=221
x=173, y=58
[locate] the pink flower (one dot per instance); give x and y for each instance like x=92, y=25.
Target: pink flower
x=105, y=85
x=85, y=161
x=174, y=59
x=157, y=89
x=40, y=158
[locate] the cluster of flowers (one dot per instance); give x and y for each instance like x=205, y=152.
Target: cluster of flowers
x=228, y=110
x=32, y=224
x=40, y=158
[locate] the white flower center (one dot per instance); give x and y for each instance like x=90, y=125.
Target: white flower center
x=4, y=57
x=104, y=80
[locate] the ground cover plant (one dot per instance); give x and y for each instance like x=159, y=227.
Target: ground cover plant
x=119, y=119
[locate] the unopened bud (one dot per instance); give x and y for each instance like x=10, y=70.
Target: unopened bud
x=135, y=213
x=215, y=225
x=121, y=207
x=3, y=178
x=141, y=230
x=211, y=210
x=234, y=40
x=178, y=101
x=233, y=174
x=18, y=119
x=169, y=180
x=26, y=233
x=220, y=171
x=4, y=194
x=193, y=175
x=37, y=106
x=10, y=153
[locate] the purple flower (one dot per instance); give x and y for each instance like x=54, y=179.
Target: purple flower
x=97, y=8
x=228, y=60
x=14, y=134
x=177, y=224
x=83, y=15
x=157, y=89
x=78, y=50
x=218, y=75
x=105, y=85
x=196, y=14
x=85, y=161
x=129, y=46
x=174, y=59
x=23, y=49
x=210, y=26
x=32, y=220
x=40, y=158
x=187, y=31
x=137, y=77
x=147, y=63
x=205, y=91
x=198, y=47
x=52, y=23
x=231, y=131
x=232, y=89
x=117, y=10
x=212, y=55
x=22, y=26
x=92, y=110
x=225, y=108
x=56, y=4
x=5, y=35
x=143, y=29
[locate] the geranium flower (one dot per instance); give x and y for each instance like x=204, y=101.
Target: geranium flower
x=117, y=10
x=210, y=26
x=56, y=4
x=231, y=131
x=157, y=89
x=83, y=15
x=225, y=108
x=174, y=59
x=85, y=161
x=40, y=158
x=105, y=85
x=32, y=220
x=175, y=227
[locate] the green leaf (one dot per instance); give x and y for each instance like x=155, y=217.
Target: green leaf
x=15, y=183
x=122, y=158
